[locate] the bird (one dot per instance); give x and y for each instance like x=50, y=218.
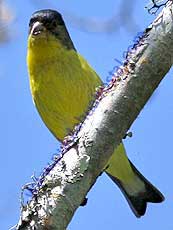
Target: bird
x=63, y=86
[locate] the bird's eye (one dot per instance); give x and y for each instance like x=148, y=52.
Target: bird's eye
x=54, y=24
x=32, y=20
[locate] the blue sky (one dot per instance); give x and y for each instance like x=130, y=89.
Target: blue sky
x=27, y=145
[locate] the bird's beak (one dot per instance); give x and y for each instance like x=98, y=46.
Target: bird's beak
x=37, y=28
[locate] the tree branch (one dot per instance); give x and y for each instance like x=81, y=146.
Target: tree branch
x=65, y=186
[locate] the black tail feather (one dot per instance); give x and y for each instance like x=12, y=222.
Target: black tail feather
x=138, y=202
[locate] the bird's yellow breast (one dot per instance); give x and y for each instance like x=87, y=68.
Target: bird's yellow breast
x=62, y=84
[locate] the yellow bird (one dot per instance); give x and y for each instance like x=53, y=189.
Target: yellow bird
x=63, y=86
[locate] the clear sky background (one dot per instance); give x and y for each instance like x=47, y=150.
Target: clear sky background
x=27, y=145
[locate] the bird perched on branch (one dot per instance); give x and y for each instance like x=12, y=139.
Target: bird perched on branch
x=63, y=85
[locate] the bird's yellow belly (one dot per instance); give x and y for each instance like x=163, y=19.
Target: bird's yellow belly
x=62, y=85
x=61, y=102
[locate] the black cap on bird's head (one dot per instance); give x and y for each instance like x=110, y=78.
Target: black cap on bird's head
x=52, y=22
x=49, y=18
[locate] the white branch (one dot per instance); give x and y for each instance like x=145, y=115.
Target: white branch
x=65, y=187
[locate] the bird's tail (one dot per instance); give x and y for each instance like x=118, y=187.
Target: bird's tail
x=137, y=190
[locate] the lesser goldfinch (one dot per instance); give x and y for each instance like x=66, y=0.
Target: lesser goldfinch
x=63, y=86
